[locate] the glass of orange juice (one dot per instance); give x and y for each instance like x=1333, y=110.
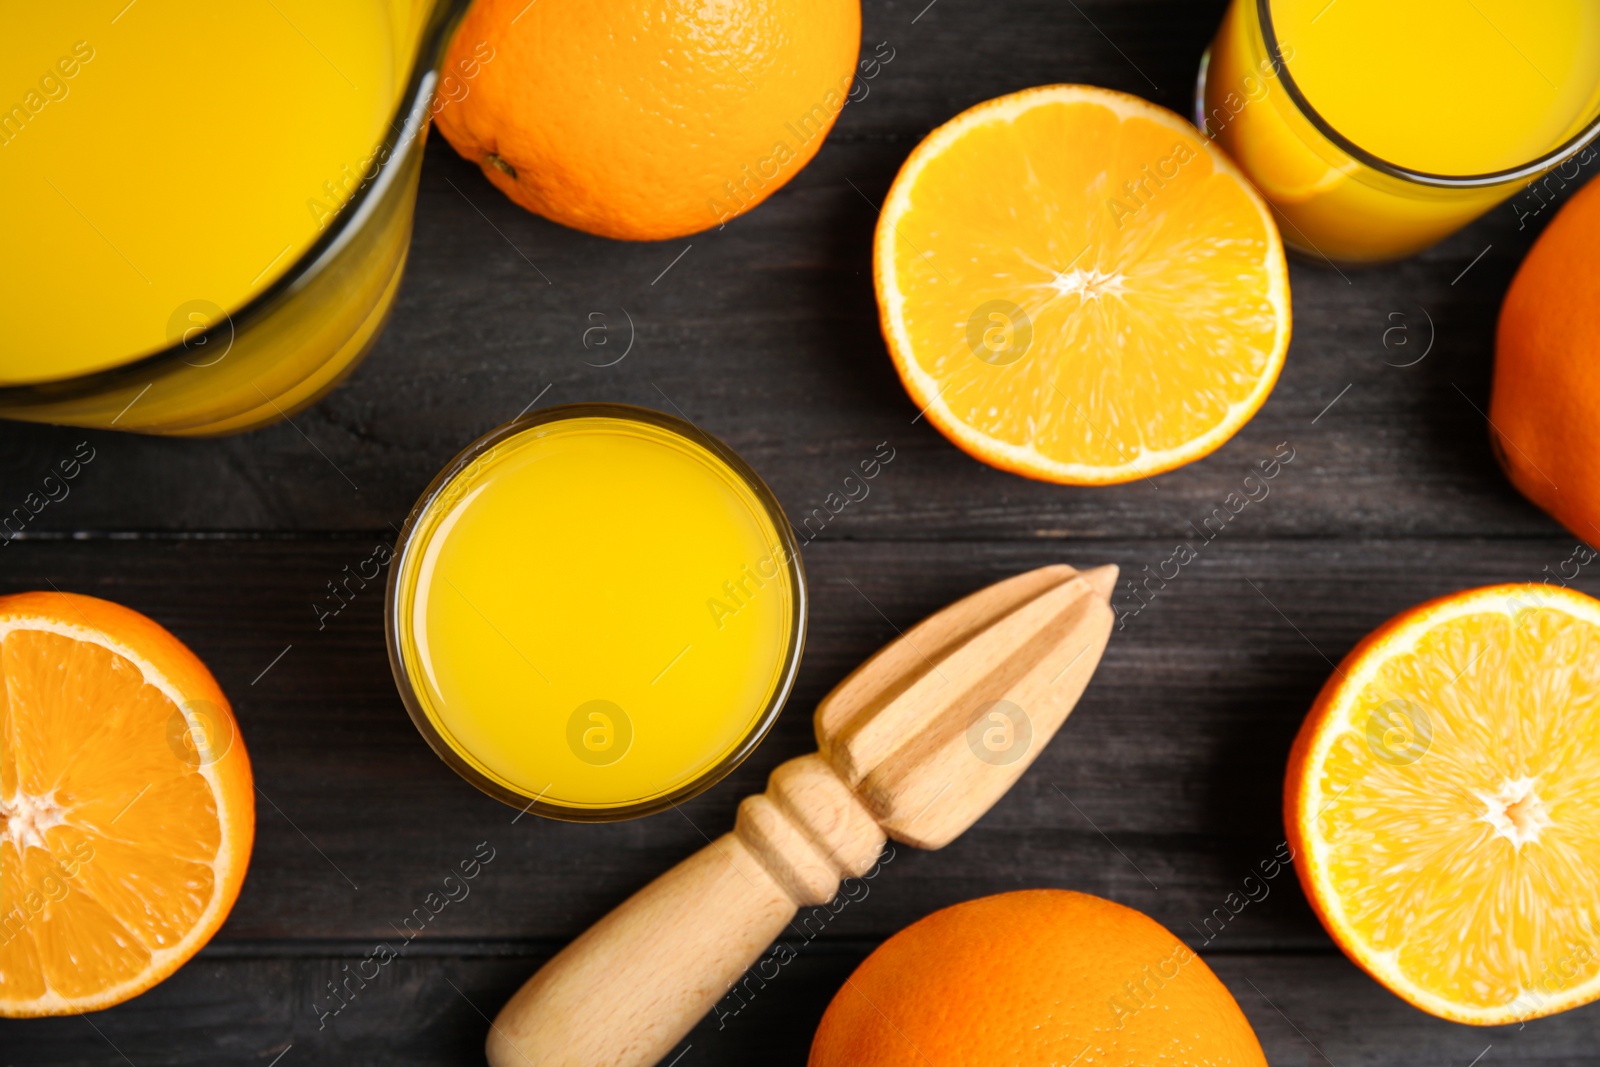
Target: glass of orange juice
x=1376, y=127
x=210, y=205
x=595, y=611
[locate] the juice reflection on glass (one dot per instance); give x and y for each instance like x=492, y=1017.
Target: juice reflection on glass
x=595, y=611
x=1376, y=127
x=177, y=175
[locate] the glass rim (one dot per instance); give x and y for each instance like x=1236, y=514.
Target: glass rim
x=1551, y=158
x=405, y=129
x=794, y=572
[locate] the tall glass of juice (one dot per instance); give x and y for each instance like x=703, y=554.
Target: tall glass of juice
x=1376, y=127
x=595, y=611
x=209, y=204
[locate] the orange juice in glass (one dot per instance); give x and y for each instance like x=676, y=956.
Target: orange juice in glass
x=595, y=612
x=208, y=205
x=1377, y=127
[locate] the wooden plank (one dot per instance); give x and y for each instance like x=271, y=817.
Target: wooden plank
x=765, y=333
x=1161, y=791
x=1306, y=1009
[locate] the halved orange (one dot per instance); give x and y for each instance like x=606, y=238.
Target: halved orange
x=1077, y=286
x=126, y=804
x=1443, y=802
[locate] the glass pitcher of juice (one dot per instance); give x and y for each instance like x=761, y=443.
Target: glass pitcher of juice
x=210, y=204
x=1376, y=127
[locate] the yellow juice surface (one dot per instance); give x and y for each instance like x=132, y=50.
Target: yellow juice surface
x=596, y=612
x=1447, y=87
x=165, y=160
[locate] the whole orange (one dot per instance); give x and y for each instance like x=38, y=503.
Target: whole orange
x=1544, y=413
x=1038, y=978
x=646, y=119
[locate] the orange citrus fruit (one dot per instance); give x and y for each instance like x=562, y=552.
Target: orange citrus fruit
x=1037, y=978
x=1544, y=412
x=1443, y=800
x=1077, y=286
x=646, y=119
x=126, y=804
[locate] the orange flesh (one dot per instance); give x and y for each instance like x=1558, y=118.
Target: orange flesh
x=112, y=846
x=1148, y=273
x=1448, y=797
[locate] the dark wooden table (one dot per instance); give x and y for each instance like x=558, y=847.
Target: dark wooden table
x=1163, y=789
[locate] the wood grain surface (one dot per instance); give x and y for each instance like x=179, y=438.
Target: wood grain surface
x=1163, y=789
